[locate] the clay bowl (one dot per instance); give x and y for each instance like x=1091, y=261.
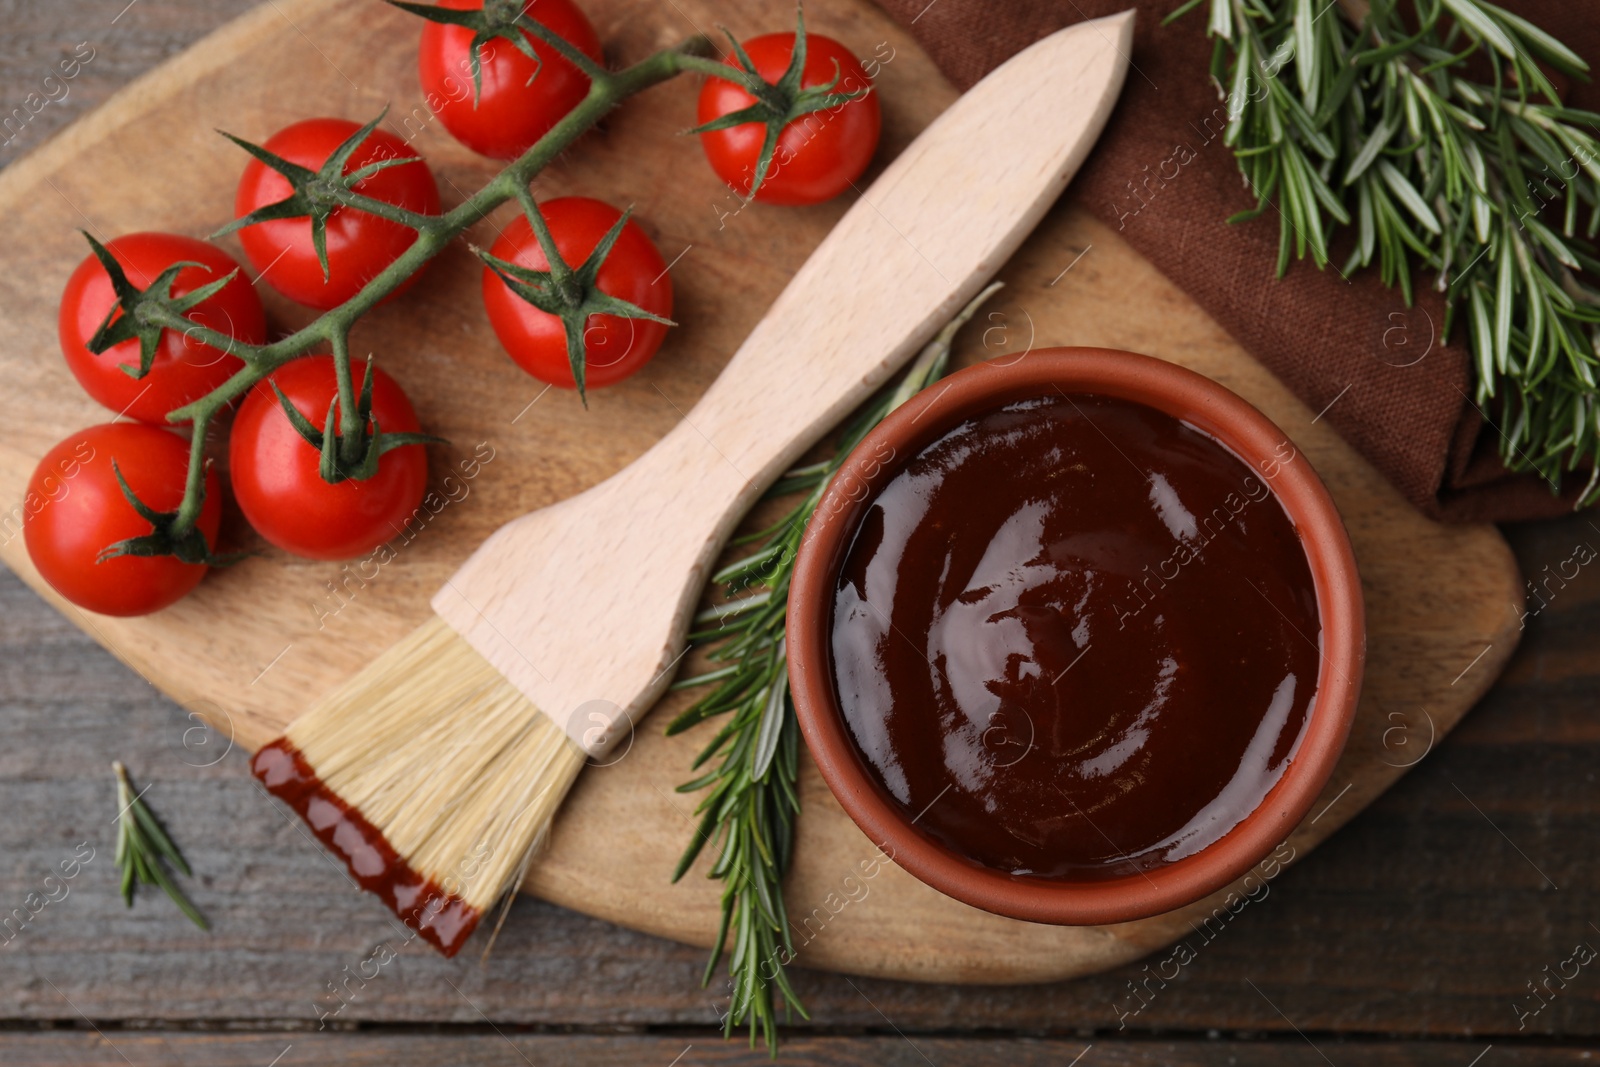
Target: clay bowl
x=1204, y=405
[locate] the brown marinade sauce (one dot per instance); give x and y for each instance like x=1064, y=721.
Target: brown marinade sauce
x=1076, y=638
x=441, y=918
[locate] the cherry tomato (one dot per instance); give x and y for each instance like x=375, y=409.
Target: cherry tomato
x=184, y=369
x=275, y=470
x=818, y=155
x=360, y=245
x=74, y=510
x=634, y=271
x=510, y=112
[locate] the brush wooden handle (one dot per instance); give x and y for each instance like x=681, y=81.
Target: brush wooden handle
x=583, y=605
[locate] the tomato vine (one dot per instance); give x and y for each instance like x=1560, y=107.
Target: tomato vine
x=152, y=309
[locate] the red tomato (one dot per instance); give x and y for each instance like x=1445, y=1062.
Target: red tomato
x=275, y=470
x=75, y=510
x=818, y=155
x=615, y=347
x=510, y=113
x=184, y=369
x=359, y=245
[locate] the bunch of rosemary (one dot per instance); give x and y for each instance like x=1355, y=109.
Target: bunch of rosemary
x=1436, y=134
x=750, y=809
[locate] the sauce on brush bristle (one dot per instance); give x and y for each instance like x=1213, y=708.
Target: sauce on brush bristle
x=440, y=917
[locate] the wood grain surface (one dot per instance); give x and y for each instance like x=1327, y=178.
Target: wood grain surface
x=1421, y=920
x=912, y=250
x=233, y=1050
x=261, y=640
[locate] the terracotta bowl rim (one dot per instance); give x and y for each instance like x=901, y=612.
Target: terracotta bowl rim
x=1203, y=404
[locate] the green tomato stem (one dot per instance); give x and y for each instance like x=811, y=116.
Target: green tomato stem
x=574, y=55
x=194, y=487
x=348, y=432
x=171, y=320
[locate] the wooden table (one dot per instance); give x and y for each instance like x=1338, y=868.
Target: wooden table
x=1410, y=937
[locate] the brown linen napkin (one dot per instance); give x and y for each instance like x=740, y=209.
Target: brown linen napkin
x=1378, y=371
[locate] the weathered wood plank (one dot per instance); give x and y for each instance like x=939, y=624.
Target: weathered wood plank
x=1420, y=917
x=119, y=42
x=75, y=1049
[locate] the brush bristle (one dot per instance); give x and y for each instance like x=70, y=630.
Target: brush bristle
x=458, y=770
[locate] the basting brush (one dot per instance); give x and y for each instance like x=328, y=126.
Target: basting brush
x=436, y=771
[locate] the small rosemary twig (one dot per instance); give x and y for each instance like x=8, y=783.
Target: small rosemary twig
x=144, y=849
x=750, y=809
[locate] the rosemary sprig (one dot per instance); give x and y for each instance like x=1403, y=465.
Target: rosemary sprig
x=750, y=809
x=1373, y=122
x=144, y=849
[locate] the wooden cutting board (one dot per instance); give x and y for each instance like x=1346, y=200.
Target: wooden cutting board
x=263, y=640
